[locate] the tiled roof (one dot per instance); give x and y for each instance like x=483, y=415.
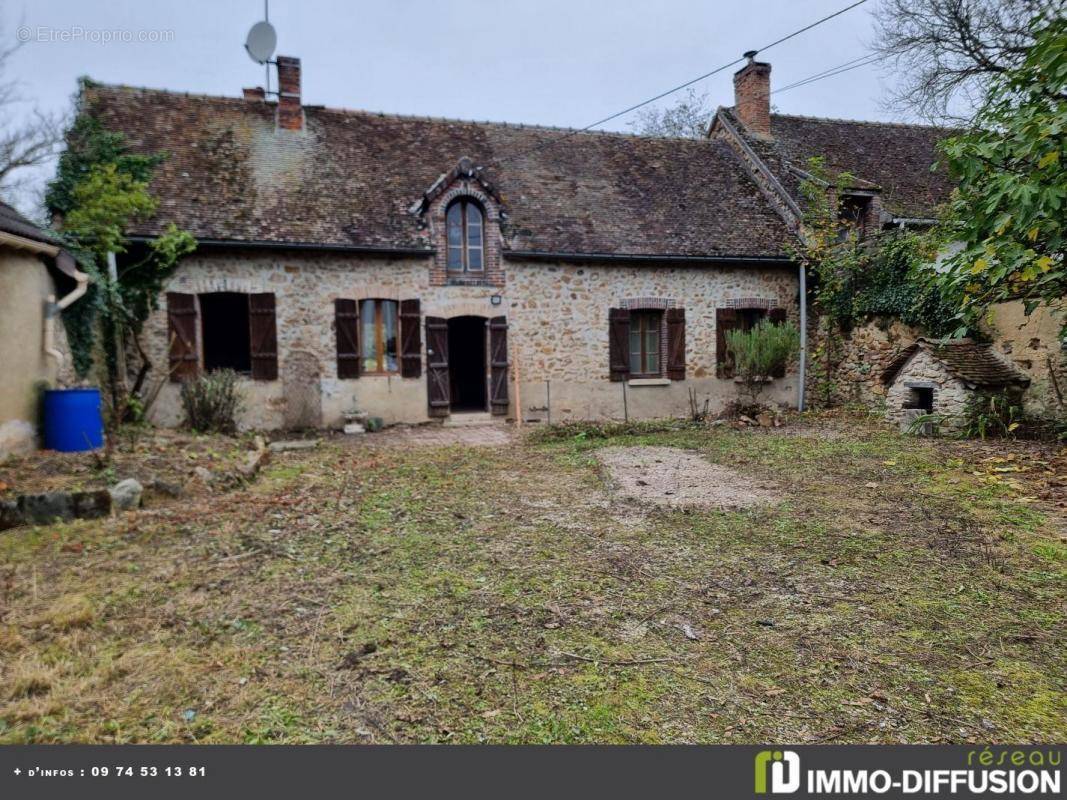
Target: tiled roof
x=351, y=179
x=895, y=158
x=971, y=362
x=11, y=221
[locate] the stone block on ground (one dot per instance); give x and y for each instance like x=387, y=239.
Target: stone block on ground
x=295, y=444
x=91, y=505
x=126, y=495
x=10, y=516
x=47, y=507
x=354, y=428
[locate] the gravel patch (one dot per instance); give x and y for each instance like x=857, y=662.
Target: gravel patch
x=677, y=478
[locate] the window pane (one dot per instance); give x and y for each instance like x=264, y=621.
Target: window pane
x=367, y=342
x=455, y=257
x=455, y=222
x=652, y=356
x=389, y=333
x=474, y=258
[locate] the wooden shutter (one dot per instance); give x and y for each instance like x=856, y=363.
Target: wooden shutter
x=676, y=344
x=346, y=325
x=498, y=365
x=437, y=367
x=777, y=316
x=619, y=343
x=725, y=319
x=182, y=319
x=410, y=339
x=263, y=335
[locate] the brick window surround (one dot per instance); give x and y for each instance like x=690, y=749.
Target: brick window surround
x=493, y=274
x=653, y=304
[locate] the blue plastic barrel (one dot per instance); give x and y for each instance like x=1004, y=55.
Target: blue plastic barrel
x=72, y=420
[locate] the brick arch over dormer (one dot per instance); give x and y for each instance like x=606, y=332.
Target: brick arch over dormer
x=463, y=181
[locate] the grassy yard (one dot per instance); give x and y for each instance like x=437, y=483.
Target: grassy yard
x=897, y=590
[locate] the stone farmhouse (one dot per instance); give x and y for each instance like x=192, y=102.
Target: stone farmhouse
x=420, y=268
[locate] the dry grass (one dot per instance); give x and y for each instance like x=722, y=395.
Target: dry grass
x=457, y=594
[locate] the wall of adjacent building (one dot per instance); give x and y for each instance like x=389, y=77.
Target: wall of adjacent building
x=558, y=332
x=25, y=285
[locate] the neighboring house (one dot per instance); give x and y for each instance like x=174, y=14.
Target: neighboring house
x=34, y=269
x=416, y=268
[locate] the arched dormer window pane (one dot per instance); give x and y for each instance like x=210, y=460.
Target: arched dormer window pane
x=465, y=230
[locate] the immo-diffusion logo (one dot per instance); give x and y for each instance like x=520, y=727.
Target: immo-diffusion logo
x=784, y=768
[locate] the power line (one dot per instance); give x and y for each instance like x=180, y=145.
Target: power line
x=687, y=84
x=848, y=66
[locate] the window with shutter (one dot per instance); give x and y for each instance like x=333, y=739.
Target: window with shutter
x=727, y=319
x=676, y=344
x=410, y=339
x=263, y=334
x=182, y=324
x=346, y=329
x=619, y=344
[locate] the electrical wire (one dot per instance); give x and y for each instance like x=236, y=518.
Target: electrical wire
x=681, y=86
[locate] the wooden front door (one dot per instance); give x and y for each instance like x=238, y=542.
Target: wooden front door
x=498, y=365
x=437, y=366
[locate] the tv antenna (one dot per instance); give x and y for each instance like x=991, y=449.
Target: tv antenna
x=261, y=41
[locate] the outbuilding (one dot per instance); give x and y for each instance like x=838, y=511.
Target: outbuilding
x=942, y=376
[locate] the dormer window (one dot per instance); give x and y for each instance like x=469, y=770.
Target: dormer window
x=466, y=238
x=852, y=215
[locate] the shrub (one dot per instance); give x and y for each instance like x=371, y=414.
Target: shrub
x=762, y=352
x=212, y=402
x=991, y=414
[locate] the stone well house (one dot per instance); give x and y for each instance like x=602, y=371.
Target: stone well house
x=942, y=377
x=419, y=268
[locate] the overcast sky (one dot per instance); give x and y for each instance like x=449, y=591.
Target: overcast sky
x=552, y=62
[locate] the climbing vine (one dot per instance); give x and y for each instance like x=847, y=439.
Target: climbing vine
x=856, y=278
x=101, y=188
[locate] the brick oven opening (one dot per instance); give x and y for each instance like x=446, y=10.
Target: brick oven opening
x=921, y=398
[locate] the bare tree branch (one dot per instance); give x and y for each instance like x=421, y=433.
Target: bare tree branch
x=29, y=137
x=943, y=52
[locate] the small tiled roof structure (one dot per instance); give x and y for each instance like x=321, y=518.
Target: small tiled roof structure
x=355, y=179
x=11, y=221
x=976, y=364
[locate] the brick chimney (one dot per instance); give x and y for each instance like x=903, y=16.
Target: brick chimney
x=254, y=93
x=752, y=95
x=290, y=114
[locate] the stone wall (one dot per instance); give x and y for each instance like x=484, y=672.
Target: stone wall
x=558, y=331
x=1033, y=344
x=845, y=368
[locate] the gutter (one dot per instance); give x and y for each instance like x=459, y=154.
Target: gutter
x=64, y=263
x=263, y=244
x=549, y=255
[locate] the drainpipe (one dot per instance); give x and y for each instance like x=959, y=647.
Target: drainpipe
x=66, y=264
x=803, y=335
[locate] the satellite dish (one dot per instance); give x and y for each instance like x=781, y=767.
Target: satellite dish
x=261, y=42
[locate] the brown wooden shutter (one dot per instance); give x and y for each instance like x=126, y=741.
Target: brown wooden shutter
x=725, y=319
x=619, y=343
x=410, y=339
x=346, y=324
x=182, y=319
x=437, y=389
x=777, y=316
x=676, y=344
x=498, y=365
x=263, y=335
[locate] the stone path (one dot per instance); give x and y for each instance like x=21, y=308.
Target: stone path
x=494, y=434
